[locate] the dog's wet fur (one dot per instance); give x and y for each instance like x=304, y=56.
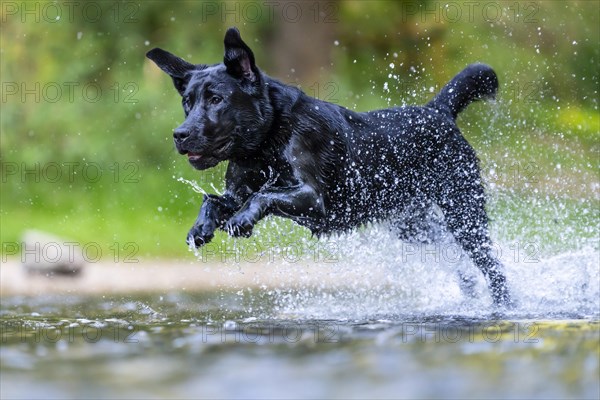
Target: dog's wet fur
x=328, y=168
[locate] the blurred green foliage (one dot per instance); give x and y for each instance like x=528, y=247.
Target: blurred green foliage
x=86, y=119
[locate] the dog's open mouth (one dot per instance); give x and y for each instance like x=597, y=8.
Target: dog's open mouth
x=194, y=156
x=201, y=161
x=191, y=155
x=205, y=158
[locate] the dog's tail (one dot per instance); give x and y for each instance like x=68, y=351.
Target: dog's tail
x=476, y=82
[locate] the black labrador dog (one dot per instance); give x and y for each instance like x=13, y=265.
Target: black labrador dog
x=328, y=168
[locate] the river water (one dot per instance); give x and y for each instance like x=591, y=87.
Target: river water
x=412, y=336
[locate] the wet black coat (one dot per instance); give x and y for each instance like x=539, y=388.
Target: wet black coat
x=328, y=168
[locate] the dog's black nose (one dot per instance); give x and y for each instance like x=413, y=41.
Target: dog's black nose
x=180, y=134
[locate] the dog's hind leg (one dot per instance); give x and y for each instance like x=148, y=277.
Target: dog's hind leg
x=463, y=203
x=419, y=223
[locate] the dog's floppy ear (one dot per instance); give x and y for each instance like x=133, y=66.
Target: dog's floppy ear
x=239, y=59
x=176, y=67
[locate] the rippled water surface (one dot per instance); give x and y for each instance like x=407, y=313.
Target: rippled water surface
x=209, y=345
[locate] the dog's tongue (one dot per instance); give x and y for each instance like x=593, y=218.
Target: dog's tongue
x=190, y=154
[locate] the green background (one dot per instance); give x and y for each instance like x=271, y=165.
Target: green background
x=86, y=120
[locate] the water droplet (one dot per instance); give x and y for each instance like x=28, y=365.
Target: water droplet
x=229, y=325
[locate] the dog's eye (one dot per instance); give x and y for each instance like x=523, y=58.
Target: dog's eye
x=215, y=99
x=186, y=103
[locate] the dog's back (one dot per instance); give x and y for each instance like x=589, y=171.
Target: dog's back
x=378, y=164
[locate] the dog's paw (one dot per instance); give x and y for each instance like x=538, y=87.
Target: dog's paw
x=199, y=235
x=239, y=226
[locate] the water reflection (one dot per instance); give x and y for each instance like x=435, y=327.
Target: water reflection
x=206, y=345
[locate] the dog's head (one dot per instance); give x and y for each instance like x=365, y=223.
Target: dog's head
x=226, y=110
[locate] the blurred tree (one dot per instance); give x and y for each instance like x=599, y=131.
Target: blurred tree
x=301, y=50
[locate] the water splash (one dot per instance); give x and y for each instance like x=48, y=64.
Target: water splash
x=194, y=185
x=197, y=188
x=378, y=276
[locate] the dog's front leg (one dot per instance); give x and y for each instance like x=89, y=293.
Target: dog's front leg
x=296, y=202
x=215, y=211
